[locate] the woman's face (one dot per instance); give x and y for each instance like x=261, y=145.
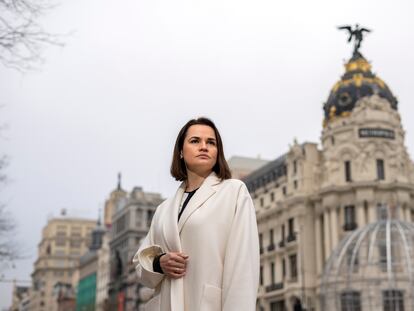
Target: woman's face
x=200, y=149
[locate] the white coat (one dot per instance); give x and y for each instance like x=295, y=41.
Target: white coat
x=218, y=231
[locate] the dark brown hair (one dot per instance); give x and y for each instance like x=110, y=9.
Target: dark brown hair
x=178, y=169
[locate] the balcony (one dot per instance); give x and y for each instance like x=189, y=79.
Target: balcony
x=282, y=243
x=271, y=247
x=273, y=287
x=350, y=226
x=291, y=237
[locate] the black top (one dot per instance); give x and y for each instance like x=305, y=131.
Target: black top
x=187, y=199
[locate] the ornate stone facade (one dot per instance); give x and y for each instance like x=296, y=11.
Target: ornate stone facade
x=310, y=198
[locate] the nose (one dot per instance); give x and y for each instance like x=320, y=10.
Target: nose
x=203, y=145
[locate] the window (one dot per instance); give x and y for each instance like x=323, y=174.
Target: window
x=349, y=214
x=352, y=261
x=350, y=301
x=291, y=227
x=60, y=241
x=60, y=252
x=348, y=177
x=138, y=217
x=333, y=141
x=366, y=211
x=284, y=190
x=261, y=242
x=283, y=267
x=261, y=202
x=120, y=224
x=293, y=267
x=295, y=184
x=380, y=169
x=75, y=243
x=393, y=300
x=271, y=237
x=61, y=233
x=261, y=275
x=277, y=306
x=272, y=196
x=295, y=167
x=382, y=253
x=283, y=232
x=272, y=271
x=149, y=217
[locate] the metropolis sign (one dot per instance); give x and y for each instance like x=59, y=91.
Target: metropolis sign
x=376, y=132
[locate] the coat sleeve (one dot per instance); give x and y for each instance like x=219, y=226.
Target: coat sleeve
x=242, y=258
x=144, y=258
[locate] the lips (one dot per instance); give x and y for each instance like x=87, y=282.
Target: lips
x=203, y=156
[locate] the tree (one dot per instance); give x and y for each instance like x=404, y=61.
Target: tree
x=22, y=38
x=8, y=247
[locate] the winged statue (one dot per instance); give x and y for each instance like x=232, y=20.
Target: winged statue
x=356, y=33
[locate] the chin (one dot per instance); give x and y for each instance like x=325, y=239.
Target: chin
x=201, y=169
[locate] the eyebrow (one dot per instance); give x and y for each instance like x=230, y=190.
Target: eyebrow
x=210, y=138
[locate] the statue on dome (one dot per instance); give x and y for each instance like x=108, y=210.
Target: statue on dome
x=357, y=34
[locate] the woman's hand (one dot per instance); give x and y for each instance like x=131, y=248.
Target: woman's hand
x=174, y=264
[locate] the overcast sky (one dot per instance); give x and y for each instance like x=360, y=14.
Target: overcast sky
x=133, y=72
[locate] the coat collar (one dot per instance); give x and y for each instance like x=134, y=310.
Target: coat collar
x=205, y=191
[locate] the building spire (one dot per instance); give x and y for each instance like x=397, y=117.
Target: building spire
x=99, y=217
x=119, y=181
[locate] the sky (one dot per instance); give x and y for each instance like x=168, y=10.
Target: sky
x=132, y=73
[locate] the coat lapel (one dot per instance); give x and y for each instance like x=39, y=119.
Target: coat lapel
x=202, y=194
x=170, y=232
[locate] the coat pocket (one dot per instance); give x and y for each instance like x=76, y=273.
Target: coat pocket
x=211, y=299
x=154, y=304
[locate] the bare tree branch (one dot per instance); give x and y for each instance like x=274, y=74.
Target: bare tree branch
x=22, y=38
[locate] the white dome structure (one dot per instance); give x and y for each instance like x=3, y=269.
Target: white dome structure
x=372, y=268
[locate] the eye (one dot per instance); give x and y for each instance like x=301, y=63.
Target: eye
x=193, y=141
x=211, y=142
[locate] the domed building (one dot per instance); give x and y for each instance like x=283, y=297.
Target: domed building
x=357, y=82
x=372, y=268
x=320, y=209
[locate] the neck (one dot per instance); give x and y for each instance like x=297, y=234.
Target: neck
x=194, y=180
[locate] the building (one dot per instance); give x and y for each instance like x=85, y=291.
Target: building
x=64, y=240
x=130, y=223
x=240, y=167
x=66, y=299
x=103, y=253
x=102, y=274
x=20, y=297
x=372, y=268
x=88, y=268
x=110, y=204
x=309, y=199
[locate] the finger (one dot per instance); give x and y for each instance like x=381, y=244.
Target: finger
x=182, y=255
x=177, y=270
x=179, y=259
x=175, y=264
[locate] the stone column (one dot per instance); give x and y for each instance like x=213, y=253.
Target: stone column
x=360, y=215
x=334, y=228
x=327, y=234
x=318, y=241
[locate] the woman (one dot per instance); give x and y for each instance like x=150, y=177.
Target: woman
x=202, y=250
